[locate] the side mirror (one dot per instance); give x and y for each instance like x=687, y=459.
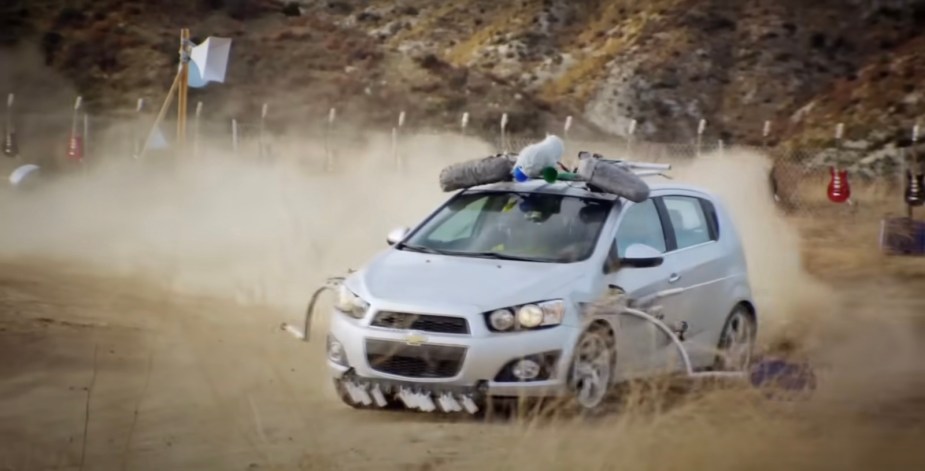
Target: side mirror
x=396, y=235
x=641, y=256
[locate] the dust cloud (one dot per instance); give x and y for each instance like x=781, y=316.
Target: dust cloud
x=266, y=232
x=230, y=226
x=783, y=289
x=38, y=88
x=43, y=101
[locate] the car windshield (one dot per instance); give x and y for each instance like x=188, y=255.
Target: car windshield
x=535, y=227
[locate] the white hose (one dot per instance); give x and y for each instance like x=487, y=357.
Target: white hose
x=685, y=358
x=330, y=284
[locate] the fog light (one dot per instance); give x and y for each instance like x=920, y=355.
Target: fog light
x=526, y=369
x=336, y=351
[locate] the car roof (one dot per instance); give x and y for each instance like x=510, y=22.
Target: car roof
x=580, y=189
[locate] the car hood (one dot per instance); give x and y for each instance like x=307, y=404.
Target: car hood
x=452, y=282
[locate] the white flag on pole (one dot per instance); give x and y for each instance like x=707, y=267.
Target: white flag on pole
x=209, y=61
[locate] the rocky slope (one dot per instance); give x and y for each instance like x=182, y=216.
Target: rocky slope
x=665, y=63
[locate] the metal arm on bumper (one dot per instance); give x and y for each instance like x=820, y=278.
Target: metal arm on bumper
x=330, y=284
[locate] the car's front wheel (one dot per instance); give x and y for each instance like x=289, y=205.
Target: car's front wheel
x=736, y=341
x=592, y=368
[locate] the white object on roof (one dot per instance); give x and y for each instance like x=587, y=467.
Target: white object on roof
x=533, y=158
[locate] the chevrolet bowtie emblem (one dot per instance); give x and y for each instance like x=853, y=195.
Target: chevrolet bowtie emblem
x=415, y=339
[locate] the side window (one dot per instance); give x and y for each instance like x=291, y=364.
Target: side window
x=641, y=225
x=461, y=224
x=688, y=220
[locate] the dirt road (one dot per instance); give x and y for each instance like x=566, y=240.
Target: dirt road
x=157, y=348
x=112, y=374
x=120, y=376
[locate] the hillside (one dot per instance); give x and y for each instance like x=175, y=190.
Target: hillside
x=666, y=63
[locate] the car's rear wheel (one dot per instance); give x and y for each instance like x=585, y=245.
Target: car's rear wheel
x=592, y=368
x=736, y=341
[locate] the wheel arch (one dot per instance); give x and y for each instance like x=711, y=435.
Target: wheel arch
x=606, y=326
x=750, y=309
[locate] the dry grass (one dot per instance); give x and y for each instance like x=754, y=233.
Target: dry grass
x=506, y=18
x=435, y=15
x=843, y=241
x=580, y=80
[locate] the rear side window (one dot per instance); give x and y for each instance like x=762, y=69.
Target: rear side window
x=689, y=221
x=641, y=225
x=712, y=218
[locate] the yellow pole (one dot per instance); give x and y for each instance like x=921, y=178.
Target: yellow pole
x=160, y=115
x=179, y=86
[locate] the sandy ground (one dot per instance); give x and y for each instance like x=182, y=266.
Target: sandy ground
x=140, y=311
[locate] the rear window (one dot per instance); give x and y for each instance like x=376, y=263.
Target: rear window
x=689, y=221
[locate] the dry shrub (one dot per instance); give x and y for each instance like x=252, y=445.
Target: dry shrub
x=333, y=43
x=300, y=20
x=284, y=35
x=843, y=241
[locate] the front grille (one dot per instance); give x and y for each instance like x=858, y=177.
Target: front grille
x=424, y=361
x=421, y=322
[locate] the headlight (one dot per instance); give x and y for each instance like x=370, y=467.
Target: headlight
x=502, y=319
x=541, y=314
x=529, y=316
x=350, y=304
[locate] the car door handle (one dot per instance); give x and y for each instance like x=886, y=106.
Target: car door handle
x=674, y=277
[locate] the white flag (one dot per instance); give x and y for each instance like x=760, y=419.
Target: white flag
x=209, y=61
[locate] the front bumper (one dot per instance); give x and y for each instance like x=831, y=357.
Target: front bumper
x=483, y=358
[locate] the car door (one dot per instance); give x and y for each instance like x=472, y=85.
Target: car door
x=641, y=344
x=699, y=267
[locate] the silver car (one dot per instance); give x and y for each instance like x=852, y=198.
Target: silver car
x=498, y=294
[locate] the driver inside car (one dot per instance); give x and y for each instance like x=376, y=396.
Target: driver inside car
x=529, y=229
x=521, y=227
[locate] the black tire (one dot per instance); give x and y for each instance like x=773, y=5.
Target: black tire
x=587, y=398
x=739, y=326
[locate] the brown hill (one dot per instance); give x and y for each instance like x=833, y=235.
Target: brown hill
x=666, y=63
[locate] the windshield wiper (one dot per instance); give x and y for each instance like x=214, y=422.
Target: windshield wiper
x=418, y=248
x=501, y=256
x=495, y=255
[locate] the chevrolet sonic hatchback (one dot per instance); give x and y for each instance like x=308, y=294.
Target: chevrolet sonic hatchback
x=498, y=293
